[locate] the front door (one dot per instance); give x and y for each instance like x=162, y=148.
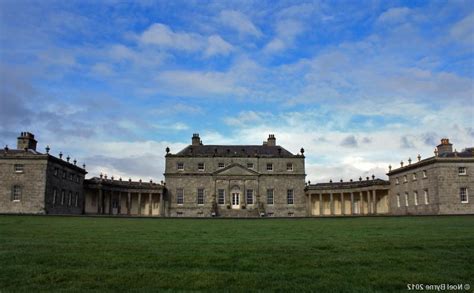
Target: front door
x=236, y=200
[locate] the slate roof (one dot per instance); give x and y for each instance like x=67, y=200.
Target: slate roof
x=234, y=151
x=122, y=183
x=466, y=153
x=348, y=185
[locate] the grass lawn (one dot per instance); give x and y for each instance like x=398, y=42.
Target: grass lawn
x=342, y=254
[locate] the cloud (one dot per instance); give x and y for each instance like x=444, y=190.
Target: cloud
x=349, y=141
x=240, y=22
x=463, y=30
x=286, y=32
x=162, y=36
x=406, y=143
x=246, y=117
x=394, y=15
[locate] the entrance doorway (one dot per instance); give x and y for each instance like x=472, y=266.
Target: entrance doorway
x=236, y=200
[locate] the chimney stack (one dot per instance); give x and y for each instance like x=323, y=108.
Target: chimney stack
x=271, y=141
x=445, y=147
x=26, y=140
x=195, y=140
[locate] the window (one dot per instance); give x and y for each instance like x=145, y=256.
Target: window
x=221, y=196
x=77, y=179
x=415, y=197
x=55, y=196
x=76, y=203
x=289, y=196
x=406, y=199
x=249, y=196
x=221, y=165
x=463, y=195
x=200, y=197
x=179, y=196
x=426, y=196
x=250, y=165
x=425, y=174
x=269, y=196
x=397, y=181
x=63, y=195
x=71, y=176
x=56, y=172
x=269, y=167
x=64, y=174
x=414, y=176
x=398, y=200
x=69, y=198
x=201, y=166
x=180, y=166
x=289, y=167
x=16, y=196
x=462, y=171
x=405, y=179
x=18, y=168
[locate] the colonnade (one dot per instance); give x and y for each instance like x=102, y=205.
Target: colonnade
x=119, y=202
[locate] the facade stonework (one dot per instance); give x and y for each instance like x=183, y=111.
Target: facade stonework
x=39, y=183
x=438, y=185
x=235, y=181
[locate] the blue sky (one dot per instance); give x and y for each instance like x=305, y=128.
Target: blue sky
x=359, y=84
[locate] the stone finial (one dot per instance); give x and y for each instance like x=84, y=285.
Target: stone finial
x=151, y=181
x=351, y=180
x=309, y=182
x=330, y=180
x=101, y=175
x=373, y=177
x=68, y=158
x=120, y=179
x=112, y=178
x=367, y=178
x=436, y=152
x=167, y=150
x=389, y=168
x=140, y=180
x=360, y=178
x=455, y=152
x=341, y=180
x=409, y=161
x=61, y=155
x=302, y=151
x=105, y=176
x=47, y=149
x=401, y=163
x=75, y=161
x=419, y=157
x=161, y=182
x=129, y=179
x=84, y=166
x=6, y=148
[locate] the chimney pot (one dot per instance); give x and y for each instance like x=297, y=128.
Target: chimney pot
x=271, y=141
x=195, y=140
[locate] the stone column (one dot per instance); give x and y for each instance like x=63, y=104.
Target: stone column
x=374, y=200
x=331, y=206
x=352, y=203
x=139, y=204
x=343, y=205
x=321, y=207
x=361, y=209
x=310, y=208
x=150, y=203
x=129, y=202
x=99, y=202
x=110, y=202
x=162, y=205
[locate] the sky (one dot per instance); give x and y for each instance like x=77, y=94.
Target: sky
x=360, y=85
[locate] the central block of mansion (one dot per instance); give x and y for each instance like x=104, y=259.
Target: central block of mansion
x=235, y=180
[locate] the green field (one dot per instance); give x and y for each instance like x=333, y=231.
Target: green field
x=344, y=254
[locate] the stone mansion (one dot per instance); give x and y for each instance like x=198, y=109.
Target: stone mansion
x=263, y=180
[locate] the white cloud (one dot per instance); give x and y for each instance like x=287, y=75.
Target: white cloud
x=240, y=22
x=394, y=15
x=463, y=30
x=217, y=46
x=162, y=36
x=286, y=32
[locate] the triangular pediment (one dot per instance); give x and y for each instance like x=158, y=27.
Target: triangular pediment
x=236, y=170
